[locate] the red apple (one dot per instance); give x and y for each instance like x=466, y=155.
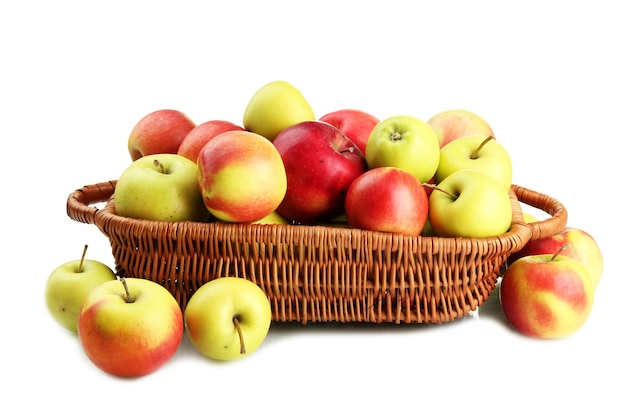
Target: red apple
x=321, y=163
x=201, y=134
x=130, y=327
x=546, y=296
x=387, y=199
x=580, y=246
x=161, y=131
x=241, y=176
x=355, y=124
x=456, y=123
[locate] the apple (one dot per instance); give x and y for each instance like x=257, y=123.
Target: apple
x=405, y=142
x=161, y=131
x=274, y=107
x=130, y=327
x=452, y=124
x=470, y=203
x=273, y=218
x=227, y=318
x=580, y=246
x=241, y=176
x=355, y=124
x=546, y=296
x=160, y=187
x=321, y=163
x=476, y=152
x=387, y=199
x=68, y=285
x=201, y=134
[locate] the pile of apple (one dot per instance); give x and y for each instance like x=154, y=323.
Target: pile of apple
x=447, y=176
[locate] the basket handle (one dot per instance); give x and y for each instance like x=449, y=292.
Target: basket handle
x=79, y=203
x=558, y=214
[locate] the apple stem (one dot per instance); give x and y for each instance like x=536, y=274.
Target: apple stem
x=475, y=153
x=241, y=342
x=434, y=187
x=128, y=299
x=159, y=165
x=82, y=258
x=561, y=249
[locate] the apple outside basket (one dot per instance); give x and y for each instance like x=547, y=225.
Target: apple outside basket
x=319, y=273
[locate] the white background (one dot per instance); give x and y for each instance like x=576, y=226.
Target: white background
x=548, y=76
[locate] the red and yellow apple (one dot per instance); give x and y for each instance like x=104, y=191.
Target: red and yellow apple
x=387, y=199
x=580, y=246
x=130, y=327
x=321, y=163
x=355, y=124
x=452, y=124
x=241, y=176
x=201, y=134
x=161, y=131
x=546, y=296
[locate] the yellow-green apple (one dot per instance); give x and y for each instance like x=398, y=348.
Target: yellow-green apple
x=546, y=296
x=273, y=218
x=201, y=134
x=529, y=217
x=241, y=176
x=274, y=107
x=68, y=285
x=161, y=131
x=160, y=187
x=130, y=327
x=321, y=163
x=452, y=124
x=355, y=124
x=476, y=152
x=387, y=199
x=470, y=203
x=580, y=246
x=228, y=318
x=406, y=142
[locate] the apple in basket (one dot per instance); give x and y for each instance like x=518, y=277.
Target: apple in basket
x=201, y=134
x=241, y=176
x=274, y=107
x=160, y=187
x=355, y=124
x=228, y=318
x=476, y=152
x=452, y=124
x=547, y=296
x=470, y=203
x=321, y=163
x=580, y=246
x=161, y=131
x=404, y=142
x=68, y=285
x=387, y=199
x=130, y=327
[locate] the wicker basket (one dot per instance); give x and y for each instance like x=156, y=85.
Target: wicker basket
x=319, y=273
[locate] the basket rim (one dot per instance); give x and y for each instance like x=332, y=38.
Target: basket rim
x=80, y=208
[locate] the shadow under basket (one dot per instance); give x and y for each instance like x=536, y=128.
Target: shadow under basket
x=319, y=273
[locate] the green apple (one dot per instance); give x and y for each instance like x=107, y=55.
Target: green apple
x=405, y=142
x=274, y=107
x=68, y=285
x=476, y=152
x=130, y=327
x=470, y=203
x=228, y=318
x=160, y=187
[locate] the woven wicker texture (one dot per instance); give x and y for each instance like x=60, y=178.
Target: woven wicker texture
x=319, y=273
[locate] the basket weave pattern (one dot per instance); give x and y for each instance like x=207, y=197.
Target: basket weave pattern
x=319, y=273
